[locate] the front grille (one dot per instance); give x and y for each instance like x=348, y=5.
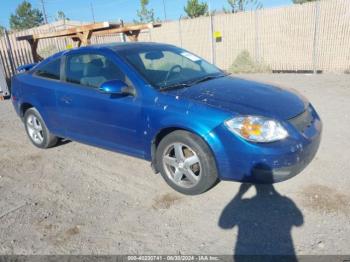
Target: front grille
x=303, y=120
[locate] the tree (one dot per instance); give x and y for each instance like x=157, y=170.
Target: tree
x=302, y=1
x=61, y=16
x=145, y=15
x=241, y=5
x=2, y=30
x=25, y=17
x=194, y=8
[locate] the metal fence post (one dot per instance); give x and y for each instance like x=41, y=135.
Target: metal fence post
x=315, y=39
x=150, y=34
x=180, y=32
x=212, y=45
x=257, y=44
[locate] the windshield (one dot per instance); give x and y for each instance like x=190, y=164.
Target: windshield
x=168, y=66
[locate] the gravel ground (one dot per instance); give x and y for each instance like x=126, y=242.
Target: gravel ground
x=77, y=199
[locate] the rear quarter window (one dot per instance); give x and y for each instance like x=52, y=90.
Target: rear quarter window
x=50, y=70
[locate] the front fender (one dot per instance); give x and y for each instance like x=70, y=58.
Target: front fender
x=198, y=129
x=172, y=113
x=171, y=124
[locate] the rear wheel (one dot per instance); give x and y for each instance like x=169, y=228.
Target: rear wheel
x=186, y=163
x=37, y=131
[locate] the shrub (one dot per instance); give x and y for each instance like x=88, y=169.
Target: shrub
x=245, y=64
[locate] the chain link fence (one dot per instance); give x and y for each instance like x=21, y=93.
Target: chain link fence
x=311, y=37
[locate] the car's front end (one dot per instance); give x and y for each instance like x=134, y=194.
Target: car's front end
x=257, y=132
x=248, y=158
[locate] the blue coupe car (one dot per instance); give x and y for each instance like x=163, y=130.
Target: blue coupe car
x=194, y=122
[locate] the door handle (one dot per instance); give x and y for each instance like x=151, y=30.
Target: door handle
x=66, y=99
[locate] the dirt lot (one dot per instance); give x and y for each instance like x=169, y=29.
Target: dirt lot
x=77, y=199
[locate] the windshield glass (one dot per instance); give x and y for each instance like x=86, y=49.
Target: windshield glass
x=166, y=66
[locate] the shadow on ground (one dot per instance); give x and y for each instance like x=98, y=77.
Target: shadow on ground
x=62, y=142
x=264, y=224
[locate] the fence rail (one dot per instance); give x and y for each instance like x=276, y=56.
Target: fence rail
x=312, y=36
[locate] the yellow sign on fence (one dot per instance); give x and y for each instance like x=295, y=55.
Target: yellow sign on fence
x=218, y=36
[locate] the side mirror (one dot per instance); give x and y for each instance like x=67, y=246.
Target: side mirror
x=115, y=87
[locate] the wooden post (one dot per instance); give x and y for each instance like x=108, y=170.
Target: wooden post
x=79, y=37
x=84, y=38
x=34, y=47
x=83, y=34
x=87, y=37
x=133, y=35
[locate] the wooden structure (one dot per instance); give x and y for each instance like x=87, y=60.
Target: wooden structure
x=82, y=34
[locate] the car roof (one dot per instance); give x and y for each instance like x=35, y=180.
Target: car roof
x=118, y=46
x=122, y=46
x=130, y=45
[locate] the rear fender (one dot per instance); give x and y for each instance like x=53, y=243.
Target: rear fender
x=25, y=68
x=37, y=106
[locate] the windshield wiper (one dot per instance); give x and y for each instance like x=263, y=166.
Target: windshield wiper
x=206, y=78
x=188, y=84
x=174, y=86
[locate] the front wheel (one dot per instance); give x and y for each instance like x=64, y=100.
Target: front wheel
x=186, y=163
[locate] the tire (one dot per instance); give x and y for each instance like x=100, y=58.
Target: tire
x=186, y=163
x=37, y=131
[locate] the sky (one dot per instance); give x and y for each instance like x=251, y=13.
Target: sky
x=112, y=10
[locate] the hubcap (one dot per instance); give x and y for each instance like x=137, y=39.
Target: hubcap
x=182, y=165
x=35, y=129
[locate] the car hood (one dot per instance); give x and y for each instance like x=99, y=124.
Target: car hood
x=245, y=97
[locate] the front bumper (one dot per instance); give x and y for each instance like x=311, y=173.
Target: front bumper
x=267, y=174
x=243, y=161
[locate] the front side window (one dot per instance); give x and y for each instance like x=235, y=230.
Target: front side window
x=91, y=70
x=51, y=70
x=164, y=66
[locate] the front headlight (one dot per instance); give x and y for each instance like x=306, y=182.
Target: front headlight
x=256, y=128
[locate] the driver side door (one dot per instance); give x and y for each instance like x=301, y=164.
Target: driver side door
x=89, y=116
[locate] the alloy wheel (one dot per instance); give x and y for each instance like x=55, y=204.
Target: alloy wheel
x=182, y=165
x=35, y=129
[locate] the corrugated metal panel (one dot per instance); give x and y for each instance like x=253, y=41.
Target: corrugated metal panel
x=4, y=91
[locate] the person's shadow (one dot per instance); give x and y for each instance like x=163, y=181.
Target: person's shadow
x=264, y=224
